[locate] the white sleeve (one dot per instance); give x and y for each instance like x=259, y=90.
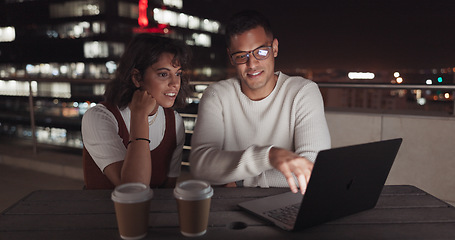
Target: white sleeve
x=176, y=162
x=100, y=136
x=207, y=159
x=311, y=130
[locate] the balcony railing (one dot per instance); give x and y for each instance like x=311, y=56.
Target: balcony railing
x=33, y=92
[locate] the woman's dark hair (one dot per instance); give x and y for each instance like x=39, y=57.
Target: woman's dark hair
x=143, y=51
x=244, y=21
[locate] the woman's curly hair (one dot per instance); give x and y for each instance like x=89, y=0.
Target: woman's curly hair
x=143, y=51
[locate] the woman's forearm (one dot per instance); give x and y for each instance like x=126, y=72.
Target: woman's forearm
x=137, y=166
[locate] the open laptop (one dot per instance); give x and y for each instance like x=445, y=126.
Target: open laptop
x=344, y=181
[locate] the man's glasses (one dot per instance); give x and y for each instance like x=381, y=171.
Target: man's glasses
x=260, y=53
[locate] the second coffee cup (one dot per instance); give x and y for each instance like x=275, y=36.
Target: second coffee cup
x=193, y=202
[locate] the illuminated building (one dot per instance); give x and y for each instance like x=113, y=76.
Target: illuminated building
x=84, y=38
x=65, y=51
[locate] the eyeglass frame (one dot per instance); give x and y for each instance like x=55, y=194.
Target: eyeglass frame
x=251, y=52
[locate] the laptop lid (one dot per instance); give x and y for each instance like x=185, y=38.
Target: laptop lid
x=344, y=181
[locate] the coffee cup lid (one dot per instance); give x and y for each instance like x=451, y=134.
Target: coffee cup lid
x=132, y=193
x=193, y=190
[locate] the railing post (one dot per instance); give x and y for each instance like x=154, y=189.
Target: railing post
x=32, y=117
x=453, y=96
x=453, y=102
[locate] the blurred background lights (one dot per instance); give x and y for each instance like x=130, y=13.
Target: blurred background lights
x=429, y=81
x=174, y=3
x=64, y=69
x=111, y=66
x=84, y=105
x=360, y=75
x=34, y=85
x=96, y=49
x=80, y=66
x=421, y=101
x=7, y=34
x=193, y=22
x=200, y=87
x=396, y=74
x=164, y=16
x=182, y=20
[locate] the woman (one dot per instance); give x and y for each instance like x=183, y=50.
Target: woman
x=134, y=135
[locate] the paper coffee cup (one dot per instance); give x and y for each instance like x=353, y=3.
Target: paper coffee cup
x=193, y=203
x=132, y=205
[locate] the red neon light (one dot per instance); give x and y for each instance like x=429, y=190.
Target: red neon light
x=142, y=19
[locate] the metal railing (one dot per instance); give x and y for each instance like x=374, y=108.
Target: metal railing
x=320, y=84
x=393, y=86
x=386, y=86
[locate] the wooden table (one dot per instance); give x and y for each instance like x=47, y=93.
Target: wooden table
x=403, y=212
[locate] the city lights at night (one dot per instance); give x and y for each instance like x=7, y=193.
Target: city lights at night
x=97, y=96
x=367, y=43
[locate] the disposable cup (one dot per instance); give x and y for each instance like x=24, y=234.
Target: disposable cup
x=193, y=203
x=132, y=205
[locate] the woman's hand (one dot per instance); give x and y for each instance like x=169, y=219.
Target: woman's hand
x=142, y=103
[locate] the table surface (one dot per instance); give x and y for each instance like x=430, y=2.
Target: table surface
x=402, y=212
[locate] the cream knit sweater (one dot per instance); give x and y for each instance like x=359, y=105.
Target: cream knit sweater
x=233, y=134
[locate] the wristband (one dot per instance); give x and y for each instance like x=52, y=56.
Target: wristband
x=137, y=139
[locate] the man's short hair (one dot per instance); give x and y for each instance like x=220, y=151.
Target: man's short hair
x=244, y=21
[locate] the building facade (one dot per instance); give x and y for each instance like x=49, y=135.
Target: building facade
x=61, y=53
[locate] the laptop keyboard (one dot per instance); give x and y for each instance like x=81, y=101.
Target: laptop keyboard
x=286, y=214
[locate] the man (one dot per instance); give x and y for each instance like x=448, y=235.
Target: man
x=262, y=128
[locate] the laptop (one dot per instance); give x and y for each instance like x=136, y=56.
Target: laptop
x=344, y=181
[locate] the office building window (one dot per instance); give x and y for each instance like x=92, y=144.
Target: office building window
x=14, y=88
x=54, y=89
x=7, y=34
x=59, y=70
x=129, y=10
x=99, y=49
x=182, y=20
x=76, y=8
x=76, y=30
x=199, y=39
x=174, y=3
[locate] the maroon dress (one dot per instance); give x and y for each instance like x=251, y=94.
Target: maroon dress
x=161, y=156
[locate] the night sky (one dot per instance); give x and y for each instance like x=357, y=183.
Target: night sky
x=355, y=35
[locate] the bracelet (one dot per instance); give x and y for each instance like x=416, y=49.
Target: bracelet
x=137, y=139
